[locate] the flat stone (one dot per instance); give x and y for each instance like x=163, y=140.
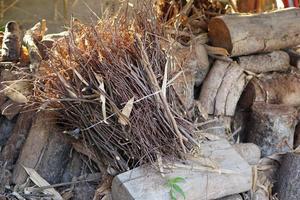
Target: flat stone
x=232, y=175
x=288, y=184
x=249, y=151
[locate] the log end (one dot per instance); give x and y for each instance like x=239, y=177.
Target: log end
x=219, y=34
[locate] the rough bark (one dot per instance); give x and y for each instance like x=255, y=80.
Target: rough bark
x=211, y=85
x=288, y=185
x=33, y=148
x=15, y=143
x=34, y=54
x=294, y=57
x=55, y=157
x=229, y=81
x=192, y=62
x=11, y=43
x=10, y=109
x=275, y=88
x=248, y=34
x=272, y=127
x=274, y=61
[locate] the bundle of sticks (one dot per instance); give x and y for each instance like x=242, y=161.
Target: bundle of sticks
x=112, y=88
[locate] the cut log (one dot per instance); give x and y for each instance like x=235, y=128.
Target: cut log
x=275, y=61
x=15, y=143
x=192, y=64
x=33, y=147
x=34, y=54
x=10, y=109
x=288, y=185
x=250, y=152
x=55, y=157
x=275, y=88
x=230, y=79
x=235, y=93
x=272, y=127
x=294, y=58
x=248, y=34
x=145, y=183
x=6, y=127
x=11, y=44
x=211, y=85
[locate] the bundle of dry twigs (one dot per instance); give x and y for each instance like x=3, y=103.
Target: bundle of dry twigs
x=112, y=88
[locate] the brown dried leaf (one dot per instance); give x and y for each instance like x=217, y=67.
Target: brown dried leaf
x=124, y=118
x=216, y=50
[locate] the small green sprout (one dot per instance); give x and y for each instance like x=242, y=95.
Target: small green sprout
x=175, y=189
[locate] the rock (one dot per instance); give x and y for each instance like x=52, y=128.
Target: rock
x=272, y=127
x=200, y=183
x=232, y=197
x=288, y=185
x=249, y=151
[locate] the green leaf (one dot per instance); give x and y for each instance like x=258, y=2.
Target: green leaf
x=178, y=180
x=173, y=197
x=178, y=189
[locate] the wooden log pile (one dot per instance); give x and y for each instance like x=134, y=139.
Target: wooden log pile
x=243, y=79
x=257, y=92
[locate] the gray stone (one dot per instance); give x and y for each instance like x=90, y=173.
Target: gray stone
x=232, y=197
x=272, y=127
x=232, y=175
x=288, y=185
x=249, y=151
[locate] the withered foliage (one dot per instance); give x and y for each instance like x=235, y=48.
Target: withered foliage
x=110, y=86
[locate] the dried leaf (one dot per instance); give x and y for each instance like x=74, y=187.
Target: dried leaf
x=39, y=181
x=124, y=118
x=15, y=95
x=216, y=50
x=102, y=97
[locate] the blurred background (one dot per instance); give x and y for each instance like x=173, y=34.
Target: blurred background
x=56, y=12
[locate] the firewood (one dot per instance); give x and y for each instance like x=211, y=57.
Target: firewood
x=274, y=61
x=11, y=44
x=211, y=85
x=248, y=34
x=235, y=93
x=15, y=142
x=288, y=184
x=10, y=109
x=294, y=58
x=276, y=88
x=230, y=79
x=222, y=88
x=29, y=40
x=33, y=147
x=272, y=127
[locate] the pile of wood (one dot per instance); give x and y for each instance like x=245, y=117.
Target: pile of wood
x=126, y=94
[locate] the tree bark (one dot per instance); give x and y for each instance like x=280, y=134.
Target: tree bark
x=248, y=34
x=274, y=61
